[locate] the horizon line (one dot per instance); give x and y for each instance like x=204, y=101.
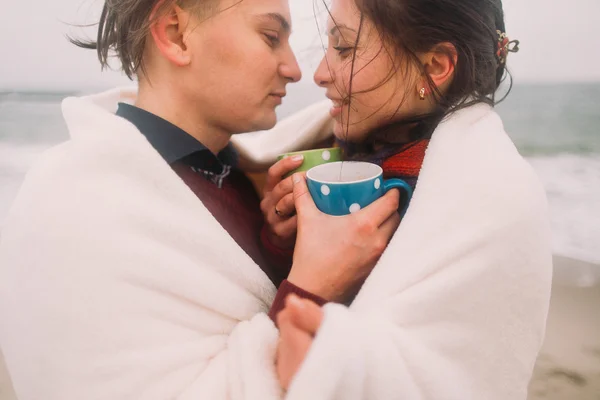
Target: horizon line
x=73, y=90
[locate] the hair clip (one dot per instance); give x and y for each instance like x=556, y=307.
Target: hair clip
x=505, y=46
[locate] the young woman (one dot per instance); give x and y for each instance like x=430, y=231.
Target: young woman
x=456, y=307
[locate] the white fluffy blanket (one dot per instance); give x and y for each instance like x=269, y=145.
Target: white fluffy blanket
x=117, y=283
x=456, y=308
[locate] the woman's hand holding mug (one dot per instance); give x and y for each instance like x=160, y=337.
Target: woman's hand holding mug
x=335, y=254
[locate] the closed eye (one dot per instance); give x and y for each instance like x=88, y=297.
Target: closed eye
x=273, y=40
x=342, y=51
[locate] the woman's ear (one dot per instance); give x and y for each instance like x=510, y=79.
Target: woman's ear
x=440, y=64
x=169, y=30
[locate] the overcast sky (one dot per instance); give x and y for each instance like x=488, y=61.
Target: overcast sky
x=560, y=42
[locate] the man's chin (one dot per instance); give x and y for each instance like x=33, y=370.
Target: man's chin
x=265, y=122
x=260, y=122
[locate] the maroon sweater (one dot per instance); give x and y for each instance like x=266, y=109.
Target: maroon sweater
x=226, y=192
x=237, y=208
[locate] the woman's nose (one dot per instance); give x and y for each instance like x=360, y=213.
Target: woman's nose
x=323, y=75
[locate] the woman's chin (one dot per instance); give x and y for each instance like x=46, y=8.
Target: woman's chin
x=338, y=131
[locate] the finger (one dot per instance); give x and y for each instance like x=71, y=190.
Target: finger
x=286, y=206
x=272, y=199
x=389, y=227
x=381, y=210
x=283, y=317
x=283, y=188
x=293, y=347
x=305, y=314
x=266, y=205
x=302, y=200
x=280, y=169
x=295, y=338
x=286, y=212
x=285, y=229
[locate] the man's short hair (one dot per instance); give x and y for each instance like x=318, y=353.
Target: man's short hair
x=124, y=26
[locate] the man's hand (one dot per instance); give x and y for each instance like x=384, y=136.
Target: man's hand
x=298, y=324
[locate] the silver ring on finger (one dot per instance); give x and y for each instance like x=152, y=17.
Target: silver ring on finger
x=279, y=213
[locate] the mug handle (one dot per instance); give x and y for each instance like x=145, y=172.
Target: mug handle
x=405, y=190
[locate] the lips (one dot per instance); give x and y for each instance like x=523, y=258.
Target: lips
x=277, y=97
x=336, y=109
x=337, y=101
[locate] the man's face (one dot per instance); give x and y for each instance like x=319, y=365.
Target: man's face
x=241, y=63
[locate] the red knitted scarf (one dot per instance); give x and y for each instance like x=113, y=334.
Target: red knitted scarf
x=407, y=162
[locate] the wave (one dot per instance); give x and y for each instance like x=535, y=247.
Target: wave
x=573, y=189
x=27, y=95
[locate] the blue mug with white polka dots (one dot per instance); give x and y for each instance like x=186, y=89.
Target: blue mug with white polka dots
x=343, y=188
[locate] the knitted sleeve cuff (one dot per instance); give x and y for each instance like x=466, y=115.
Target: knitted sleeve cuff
x=287, y=288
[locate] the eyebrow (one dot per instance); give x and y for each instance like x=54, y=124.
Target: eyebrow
x=339, y=27
x=280, y=19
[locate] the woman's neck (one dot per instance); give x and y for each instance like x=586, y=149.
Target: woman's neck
x=381, y=144
x=394, y=137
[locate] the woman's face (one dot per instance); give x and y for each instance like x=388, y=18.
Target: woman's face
x=241, y=64
x=367, y=95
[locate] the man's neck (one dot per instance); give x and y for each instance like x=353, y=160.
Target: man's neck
x=172, y=109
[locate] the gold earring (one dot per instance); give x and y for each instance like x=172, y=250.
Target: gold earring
x=422, y=94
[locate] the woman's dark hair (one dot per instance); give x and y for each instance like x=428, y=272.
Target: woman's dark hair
x=410, y=27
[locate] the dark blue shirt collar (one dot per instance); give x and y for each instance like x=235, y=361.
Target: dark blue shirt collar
x=174, y=144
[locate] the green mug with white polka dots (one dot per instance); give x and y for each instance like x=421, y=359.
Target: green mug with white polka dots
x=313, y=158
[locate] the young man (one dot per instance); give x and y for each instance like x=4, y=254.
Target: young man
x=131, y=263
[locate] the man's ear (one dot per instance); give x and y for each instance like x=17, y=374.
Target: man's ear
x=169, y=30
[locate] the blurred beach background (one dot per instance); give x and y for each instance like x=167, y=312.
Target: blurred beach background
x=552, y=115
